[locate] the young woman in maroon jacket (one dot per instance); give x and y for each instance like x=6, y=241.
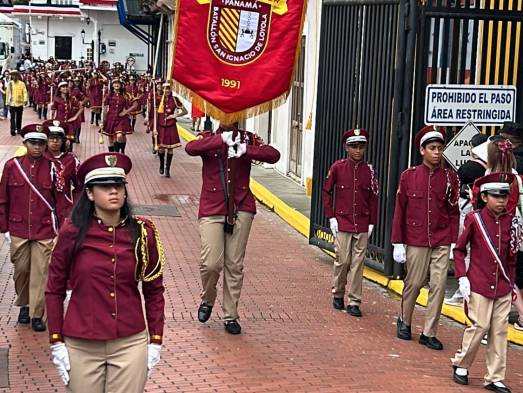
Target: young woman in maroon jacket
x=117, y=122
x=66, y=110
x=170, y=108
x=104, y=252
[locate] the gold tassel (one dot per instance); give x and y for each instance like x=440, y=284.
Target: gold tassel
x=141, y=253
x=308, y=126
x=161, y=108
x=101, y=139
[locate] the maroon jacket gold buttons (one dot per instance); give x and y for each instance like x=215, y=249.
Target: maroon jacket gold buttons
x=356, y=202
x=426, y=212
x=212, y=150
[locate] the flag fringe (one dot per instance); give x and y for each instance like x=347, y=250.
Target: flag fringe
x=233, y=117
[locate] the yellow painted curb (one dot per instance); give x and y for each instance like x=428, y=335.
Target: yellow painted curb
x=293, y=217
x=302, y=224
x=185, y=134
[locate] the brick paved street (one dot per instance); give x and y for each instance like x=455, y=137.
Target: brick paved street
x=293, y=340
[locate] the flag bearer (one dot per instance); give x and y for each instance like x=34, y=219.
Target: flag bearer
x=425, y=225
x=352, y=216
x=227, y=155
x=488, y=283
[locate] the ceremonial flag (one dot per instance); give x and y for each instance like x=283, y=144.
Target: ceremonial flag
x=236, y=58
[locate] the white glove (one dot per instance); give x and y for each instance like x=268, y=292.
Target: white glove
x=464, y=287
x=7, y=237
x=61, y=361
x=231, y=153
x=227, y=138
x=451, y=251
x=153, y=356
x=333, y=223
x=399, y=254
x=241, y=150
x=371, y=229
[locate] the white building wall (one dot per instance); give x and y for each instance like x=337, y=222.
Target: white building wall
x=45, y=29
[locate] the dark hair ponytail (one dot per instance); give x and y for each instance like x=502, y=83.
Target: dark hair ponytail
x=83, y=211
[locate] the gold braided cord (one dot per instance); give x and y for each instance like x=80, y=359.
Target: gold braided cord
x=141, y=252
x=160, y=263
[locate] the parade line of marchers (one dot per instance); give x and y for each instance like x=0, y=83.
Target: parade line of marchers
x=471, y=114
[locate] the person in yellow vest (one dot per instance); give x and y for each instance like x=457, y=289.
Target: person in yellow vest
x=16, y=98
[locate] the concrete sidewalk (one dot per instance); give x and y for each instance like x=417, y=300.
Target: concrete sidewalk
x=292, y=341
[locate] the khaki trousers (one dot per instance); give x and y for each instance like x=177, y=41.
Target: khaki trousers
x=225, y=251
x=31, y=262
x=351, y=248
x=425, y=266
x=487, y=316
x=112, y=366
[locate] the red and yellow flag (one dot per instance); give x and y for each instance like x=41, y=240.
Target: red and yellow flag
x=236, y=58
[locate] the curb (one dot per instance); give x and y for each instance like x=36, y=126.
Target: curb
x=302, y=224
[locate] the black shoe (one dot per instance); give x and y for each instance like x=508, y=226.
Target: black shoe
x=500, y=389
x=38, y=325
x=354, y=311
x=460, y=379
x=338, y=303
x=23, y=316
x=431, y=342
x=232, y=327
x=204, y=312
x=403, y=330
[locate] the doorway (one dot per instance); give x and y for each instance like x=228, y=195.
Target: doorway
x=296, y=142
x=63, y=47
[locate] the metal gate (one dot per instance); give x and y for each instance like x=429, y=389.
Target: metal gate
x=469, y=42
x=375, y=62
x=359, y=51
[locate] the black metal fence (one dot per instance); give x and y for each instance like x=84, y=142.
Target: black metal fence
x=376, y=59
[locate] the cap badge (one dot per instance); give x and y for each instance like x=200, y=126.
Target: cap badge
x=357, y=131
x=111, y=160
x=39, y=128
x=56, y=123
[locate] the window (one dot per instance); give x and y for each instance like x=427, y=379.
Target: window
x=3, y=51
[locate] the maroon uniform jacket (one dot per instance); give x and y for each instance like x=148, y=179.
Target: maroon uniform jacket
x=105, y=303
x=212, y=150
x=356, y=203
x=484, y=273
x=426, y=212
x=22, y=212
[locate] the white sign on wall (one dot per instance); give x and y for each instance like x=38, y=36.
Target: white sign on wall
x=484, y=105
x=457, y=151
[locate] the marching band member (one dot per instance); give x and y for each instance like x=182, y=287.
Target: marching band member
x=169, y=109
x=424, y=229
x=66, y=166
x=79, y=102
x=135, y=93
x=352, y=217
x=95, y=86
x=488, y=288
x=103, y=343
x=117, y=123
x=28, y=218
x=227, y=155
x=67, y=111
x=42, y=94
